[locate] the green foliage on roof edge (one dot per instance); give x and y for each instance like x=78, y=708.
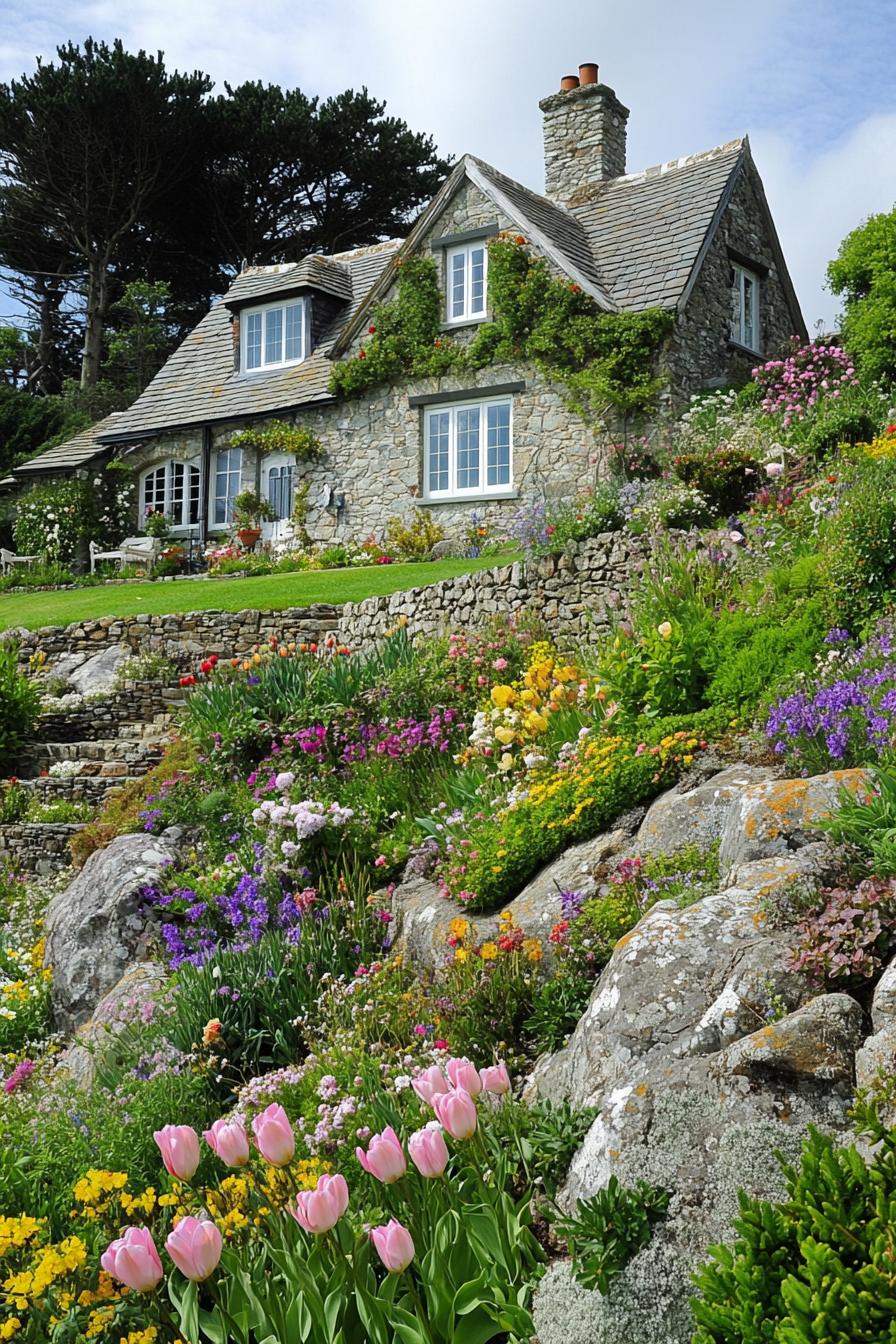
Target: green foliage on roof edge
x=606, y=361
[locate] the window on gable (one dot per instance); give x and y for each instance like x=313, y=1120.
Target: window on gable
x=746, y=308
x=275, y=335
x=466, y=276
x=228, y=472
x=172, y=488
x=468, y=450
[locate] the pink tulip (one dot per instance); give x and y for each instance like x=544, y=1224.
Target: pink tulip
x=428, y=1152
x=384, y=1158
x=179, y=1146
x=456, y=1113
x=430, y=1083
x=394, y=1246
x=320, y=1209
x=495, y=1079
x=195, y=1247
x=464, y=1075
x=273, y=1135
x=133, y=1260
x=229, y=1141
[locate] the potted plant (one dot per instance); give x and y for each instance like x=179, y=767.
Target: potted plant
x=249, y=512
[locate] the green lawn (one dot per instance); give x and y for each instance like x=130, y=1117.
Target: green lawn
x=33, y=610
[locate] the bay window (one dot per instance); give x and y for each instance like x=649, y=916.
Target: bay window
x=274, y=336
x=172, y=488
x=468, y=450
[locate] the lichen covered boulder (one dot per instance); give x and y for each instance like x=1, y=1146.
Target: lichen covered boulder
x=683, y=816
x=778, y=816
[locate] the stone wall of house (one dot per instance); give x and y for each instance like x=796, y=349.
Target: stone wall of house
x=701, y=352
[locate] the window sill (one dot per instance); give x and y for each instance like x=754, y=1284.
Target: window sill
x=744, y=349
x=461, y=322
x=432, y=501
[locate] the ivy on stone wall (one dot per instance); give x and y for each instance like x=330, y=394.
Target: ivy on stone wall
x=279, y=437
x=606, y=361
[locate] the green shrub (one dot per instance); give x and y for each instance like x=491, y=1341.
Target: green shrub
x=19, y=702
x=607, y=1230
x=414, y=539
x=818, y=1266
x=867, y=822
x=587, y=516
x=754, y=654
x=724, y=477
x=860, y=542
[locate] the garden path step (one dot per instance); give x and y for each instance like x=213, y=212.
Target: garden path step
x=91, y=789
x=102, y=755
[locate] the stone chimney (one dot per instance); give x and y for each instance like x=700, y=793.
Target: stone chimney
x=584, y=135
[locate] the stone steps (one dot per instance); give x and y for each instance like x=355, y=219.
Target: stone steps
x=104, y=756
x=93, y=789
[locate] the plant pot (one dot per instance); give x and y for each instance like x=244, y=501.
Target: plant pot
x=249, y=536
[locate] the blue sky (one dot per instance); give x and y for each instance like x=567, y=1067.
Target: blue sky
x=811, y=83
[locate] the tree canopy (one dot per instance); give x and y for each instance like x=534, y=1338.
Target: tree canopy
x=864, y=274
x=115, y=171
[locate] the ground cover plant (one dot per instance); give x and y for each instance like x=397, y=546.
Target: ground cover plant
x=303, y=1134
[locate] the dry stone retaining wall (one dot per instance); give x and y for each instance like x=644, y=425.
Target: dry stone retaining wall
x=573, y=593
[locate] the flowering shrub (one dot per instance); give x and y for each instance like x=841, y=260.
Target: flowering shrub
x=52, y=518
x=519, y=712
x=414, y=539
x=882, y=446
x=791, y=387
x=723, y=477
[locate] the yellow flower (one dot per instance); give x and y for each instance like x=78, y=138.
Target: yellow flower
x=506, y=761
x=9, y=1327
x=505, y=734
x=532, y=949
x=503, y=696
x=14, y=1232
x=461, y=954
x=536, y=723
x=664, y=630
x=488, y=951
x=460, y=927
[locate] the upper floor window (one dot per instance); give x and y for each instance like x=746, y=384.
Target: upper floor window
x=172, y=488
x=228, y=474
x=746, y=308
x=466, y=274
x=275, y=335
x=468, y=450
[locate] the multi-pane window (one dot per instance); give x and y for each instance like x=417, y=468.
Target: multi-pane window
x=275, y=335
x=173, y=488
x=280, y=489
x=228, y=471
x=465, y=269
x=468, y=450
x=746, y=308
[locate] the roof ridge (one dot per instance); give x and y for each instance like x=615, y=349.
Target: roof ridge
x=685, y=160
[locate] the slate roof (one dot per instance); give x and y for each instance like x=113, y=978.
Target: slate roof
x=647, y=229
x=74, y=453
x=316, y=272
x=199, y=384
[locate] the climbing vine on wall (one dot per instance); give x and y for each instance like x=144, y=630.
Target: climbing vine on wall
x=606, y=361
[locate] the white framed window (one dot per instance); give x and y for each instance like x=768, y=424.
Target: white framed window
x=175, y=489
x=746, y=307
x=466, y=273
x=468, y=450
x=228, y=473
x=280, y=487
x=274, y=335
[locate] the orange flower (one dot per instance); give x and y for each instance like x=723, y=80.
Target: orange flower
x=211, y=1031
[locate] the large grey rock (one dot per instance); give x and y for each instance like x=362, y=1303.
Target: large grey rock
x=425, y=915
x=99, y=675
x=682, y=982
x=97, y=927
x=695, y=816
x=682, y=993
x=883, y=1005
x=131, y=999
x=64, y=668
x=818, y=1041
x=776, y=817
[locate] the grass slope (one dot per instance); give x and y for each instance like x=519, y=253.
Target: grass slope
x=268, y=592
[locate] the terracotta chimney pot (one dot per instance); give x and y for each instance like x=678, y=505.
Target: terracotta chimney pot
x=588, y=73
x=569, y=82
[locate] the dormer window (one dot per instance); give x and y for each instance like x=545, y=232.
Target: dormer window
x=275, y=335
x=746, y=308
x=465, y=269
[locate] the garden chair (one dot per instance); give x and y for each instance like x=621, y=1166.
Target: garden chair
x=9, y=558
x=132, y=551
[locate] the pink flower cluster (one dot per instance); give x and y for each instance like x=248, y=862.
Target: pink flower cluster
x=793, y=386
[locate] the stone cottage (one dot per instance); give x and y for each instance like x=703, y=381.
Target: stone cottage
x=693, y=236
